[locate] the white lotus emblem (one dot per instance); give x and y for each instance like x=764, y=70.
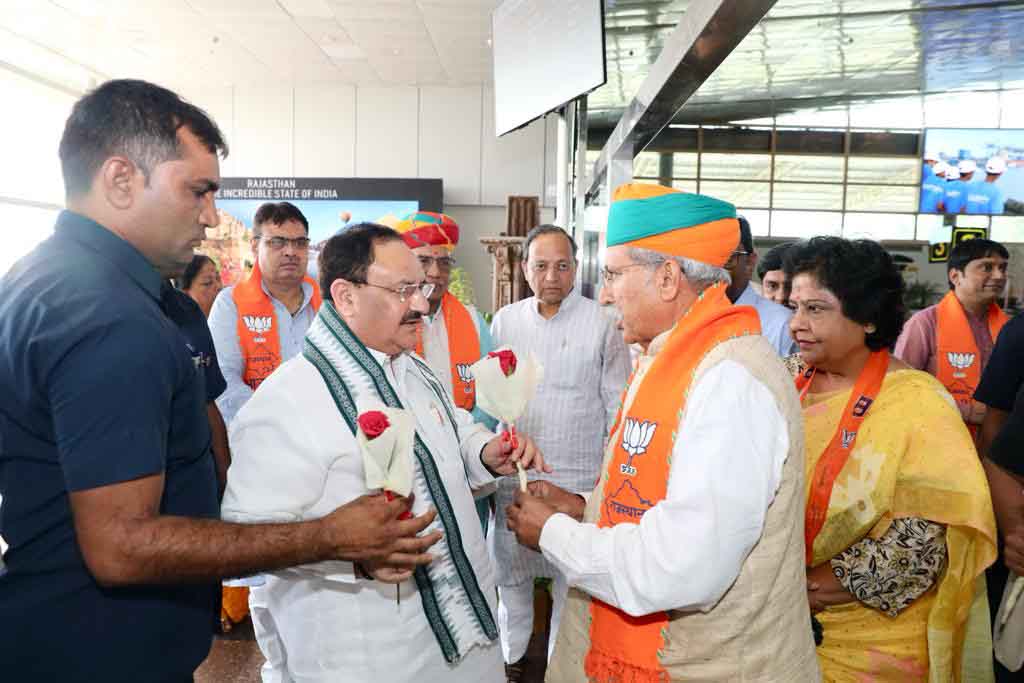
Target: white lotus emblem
x=260, y=324
x=960, y=361
x=636, y=437
x=465, y=374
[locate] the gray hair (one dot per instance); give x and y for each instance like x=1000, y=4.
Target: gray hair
x=700, y=275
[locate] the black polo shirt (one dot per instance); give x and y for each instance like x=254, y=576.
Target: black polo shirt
x=189, y=318
x=99, y=387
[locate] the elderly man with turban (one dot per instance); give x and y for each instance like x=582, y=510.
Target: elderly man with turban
x=686, y=560
x=454, y=335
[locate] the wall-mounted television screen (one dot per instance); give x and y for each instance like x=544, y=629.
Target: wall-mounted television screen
x=973, y=171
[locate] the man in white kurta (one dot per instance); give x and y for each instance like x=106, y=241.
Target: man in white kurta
x=296, y=457
x=586, y=364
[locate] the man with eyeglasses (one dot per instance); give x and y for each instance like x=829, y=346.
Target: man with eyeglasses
x=454, y=335
x=260, y=323
x=296, y=453
x=586, y=364
x=774, y=317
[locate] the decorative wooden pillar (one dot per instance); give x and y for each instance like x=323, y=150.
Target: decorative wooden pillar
x=507, y=280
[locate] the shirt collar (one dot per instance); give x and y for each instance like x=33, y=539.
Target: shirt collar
x=568, y=303
x=115, y=249
x=307, y=294
x=658, y=343
x=748, y=297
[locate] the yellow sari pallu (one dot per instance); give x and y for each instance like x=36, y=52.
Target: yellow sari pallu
x=913, y=457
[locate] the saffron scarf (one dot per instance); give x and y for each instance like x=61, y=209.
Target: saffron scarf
x=463, y=349
x=622, y=647
x=257, y=326
x=453, y=602
x=839, y=448
x=957, y=358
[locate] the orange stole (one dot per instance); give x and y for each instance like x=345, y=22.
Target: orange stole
x=625, y=648
x=957, y=358
x=830, y=464
x=257, y=327
x=463, y=349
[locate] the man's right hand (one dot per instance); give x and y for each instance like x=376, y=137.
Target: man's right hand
x=563, y=501
x=368, y=529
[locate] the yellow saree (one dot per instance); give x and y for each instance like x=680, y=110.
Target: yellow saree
x=913, y=457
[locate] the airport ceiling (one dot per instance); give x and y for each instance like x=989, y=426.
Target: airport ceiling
x=811, y=54
x=804, y=54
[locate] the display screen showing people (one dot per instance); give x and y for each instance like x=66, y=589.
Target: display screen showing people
x=973, y=171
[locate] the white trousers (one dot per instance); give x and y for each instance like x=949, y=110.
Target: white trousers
x=515, y=616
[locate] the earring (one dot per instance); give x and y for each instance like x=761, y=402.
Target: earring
x=870, y=328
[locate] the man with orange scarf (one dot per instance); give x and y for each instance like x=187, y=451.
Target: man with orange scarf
x=953, y=339
x=686, y=561
x=454, y=335
x=260, y=323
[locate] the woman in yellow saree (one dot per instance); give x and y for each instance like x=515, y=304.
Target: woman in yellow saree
x=899, y=525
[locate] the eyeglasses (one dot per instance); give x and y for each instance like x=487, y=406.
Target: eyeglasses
x=734, y=255
x=542, y=267
x=611, y=276
x=443, y=262
x=278, y=243
x=405, y=292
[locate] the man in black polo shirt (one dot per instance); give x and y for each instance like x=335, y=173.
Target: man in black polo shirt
x=1001, y=434
x=109, y=495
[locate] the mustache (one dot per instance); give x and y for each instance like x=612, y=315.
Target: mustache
x=412, y=317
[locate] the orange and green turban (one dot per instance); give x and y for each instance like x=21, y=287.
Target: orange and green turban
x=428, y=229
x=668, y=221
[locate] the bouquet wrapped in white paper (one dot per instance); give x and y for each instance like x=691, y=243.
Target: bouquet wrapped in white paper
x=385, y=437
x=505, y=383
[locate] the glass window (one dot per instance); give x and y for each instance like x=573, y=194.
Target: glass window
x=1011, y=106
x=809, y=168
x=930, y=228
x=647, y=164
x=684, y=165
x=33, y=226
x=736, y=166
x=962, y=110
x=685, y=185
x=806, y=224
x=1007, y=229
x=904, y=112
x=758, y=219
x=882, y=198
x=895, y=170
x=823, y=118
x=737, y=192
x=807, y=196
x=964, y=221
x=879, y=226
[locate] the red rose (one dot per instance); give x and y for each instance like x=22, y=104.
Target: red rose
x=507, y=360
x=373, y=423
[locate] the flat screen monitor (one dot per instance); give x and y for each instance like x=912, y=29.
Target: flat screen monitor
x=973, y=171
x=546, y=53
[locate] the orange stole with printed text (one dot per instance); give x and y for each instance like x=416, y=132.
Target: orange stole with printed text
x=463, y=349
x=622, y=647
x=257, y=327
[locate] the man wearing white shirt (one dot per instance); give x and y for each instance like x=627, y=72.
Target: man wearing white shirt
x=687, y=560
x=774, y=317
x=586, y=364
x=296, y=456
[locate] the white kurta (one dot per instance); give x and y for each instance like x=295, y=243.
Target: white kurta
x=688, y=549
x=294, y=458
x=586, y=365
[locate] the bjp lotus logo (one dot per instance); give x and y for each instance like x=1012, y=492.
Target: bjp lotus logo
x=465, y=374
x=636, y=437
x=258, y=324
x=960, y=361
